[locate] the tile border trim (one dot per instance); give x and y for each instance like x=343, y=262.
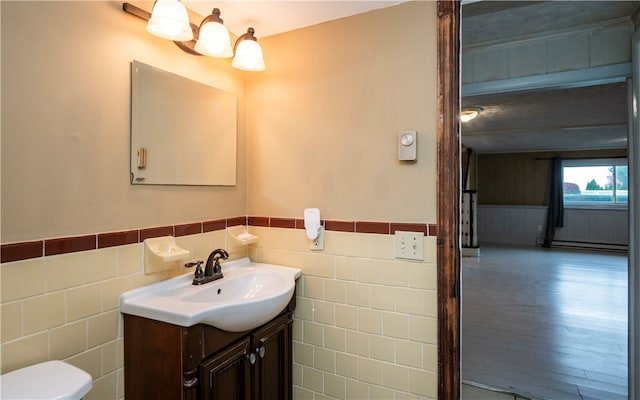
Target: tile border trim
x=19, y=251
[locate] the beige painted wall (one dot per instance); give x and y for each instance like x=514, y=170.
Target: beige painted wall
x=325, y=116
x=65, y=123
x=323, y=121
x=323, y=124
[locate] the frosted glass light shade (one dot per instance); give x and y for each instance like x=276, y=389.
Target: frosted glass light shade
x=170, y=20
x=469, y=113
x=214, y=40
x=249, y=56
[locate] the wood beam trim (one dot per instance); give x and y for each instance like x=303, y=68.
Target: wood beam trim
x=552, y=81
x=448, y=187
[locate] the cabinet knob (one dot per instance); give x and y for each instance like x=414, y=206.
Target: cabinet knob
x=260, y=351
x=252, y=358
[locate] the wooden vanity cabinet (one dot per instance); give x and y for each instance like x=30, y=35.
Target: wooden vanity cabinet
x=274, y=350
x=165, y=361
x=258, y=367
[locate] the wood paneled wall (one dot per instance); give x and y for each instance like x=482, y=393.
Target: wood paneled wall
x=521, y=179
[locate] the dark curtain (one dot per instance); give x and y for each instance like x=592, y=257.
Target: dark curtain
x=555, y=212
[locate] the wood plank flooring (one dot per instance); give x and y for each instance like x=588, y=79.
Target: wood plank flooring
x=546, y=323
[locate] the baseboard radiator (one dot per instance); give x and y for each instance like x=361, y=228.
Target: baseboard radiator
x=590, y=246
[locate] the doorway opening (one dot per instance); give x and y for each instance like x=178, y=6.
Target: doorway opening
x=547, y=300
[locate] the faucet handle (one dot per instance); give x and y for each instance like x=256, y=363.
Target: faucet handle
x=193, y=264
x=217, y=268
x=199, y=272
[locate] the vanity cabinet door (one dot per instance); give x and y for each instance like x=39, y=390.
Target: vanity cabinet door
x=273, y=369
x=227, y=375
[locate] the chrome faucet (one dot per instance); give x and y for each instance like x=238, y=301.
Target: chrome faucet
x=212, y=270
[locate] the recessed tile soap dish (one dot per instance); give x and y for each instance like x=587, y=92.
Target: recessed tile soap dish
x=162, y=253
x=239, y=233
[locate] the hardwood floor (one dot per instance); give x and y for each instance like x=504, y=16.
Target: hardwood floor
x=546, y=323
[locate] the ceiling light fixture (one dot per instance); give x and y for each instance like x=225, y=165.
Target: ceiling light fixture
x=469, y=113
x=169, y=20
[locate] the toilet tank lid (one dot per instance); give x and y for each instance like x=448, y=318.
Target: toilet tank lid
x=47, y=380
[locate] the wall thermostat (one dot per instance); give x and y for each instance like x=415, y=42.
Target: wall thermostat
x=407, y=145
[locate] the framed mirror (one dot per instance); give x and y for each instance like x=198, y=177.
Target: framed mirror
x=183, y=132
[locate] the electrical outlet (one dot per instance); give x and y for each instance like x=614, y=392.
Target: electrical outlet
x=318, y=243
x=409, y=245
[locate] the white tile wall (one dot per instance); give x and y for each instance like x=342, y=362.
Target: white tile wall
x=365, y=323
x=66, y=307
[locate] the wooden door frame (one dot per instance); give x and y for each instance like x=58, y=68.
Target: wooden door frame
x=448, y=212
x=448, y=198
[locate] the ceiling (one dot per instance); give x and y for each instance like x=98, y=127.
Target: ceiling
x=493, y=20
x=581, y=118
x=273, y=17
x=587, y=118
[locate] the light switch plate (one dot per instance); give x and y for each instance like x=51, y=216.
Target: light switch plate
x=409, y=245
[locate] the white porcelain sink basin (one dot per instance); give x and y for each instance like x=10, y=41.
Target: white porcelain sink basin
x=249, y=295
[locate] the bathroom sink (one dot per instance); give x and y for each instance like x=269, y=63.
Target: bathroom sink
x=249, y=295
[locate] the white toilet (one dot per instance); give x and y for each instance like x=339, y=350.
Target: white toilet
x=47, y=381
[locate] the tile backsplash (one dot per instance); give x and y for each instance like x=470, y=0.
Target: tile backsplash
x=365, y=323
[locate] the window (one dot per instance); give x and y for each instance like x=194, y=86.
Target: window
x=595, y=182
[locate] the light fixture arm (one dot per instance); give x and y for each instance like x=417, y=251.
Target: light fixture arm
x=187, y=46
